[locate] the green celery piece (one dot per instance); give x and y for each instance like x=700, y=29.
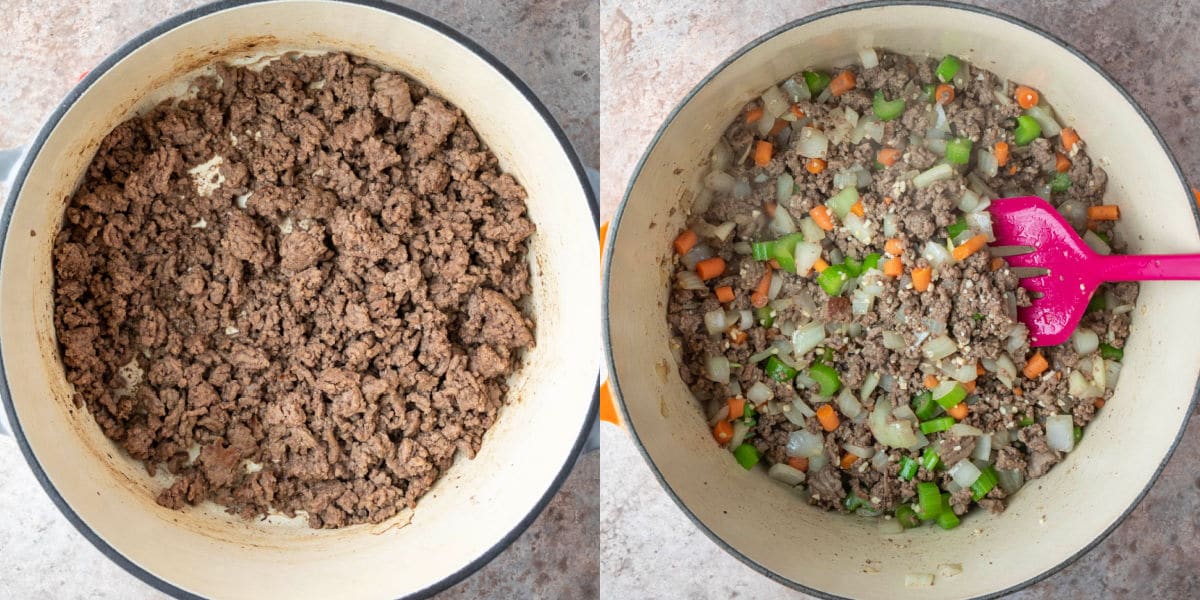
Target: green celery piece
x=817, y=81
x=948, y=68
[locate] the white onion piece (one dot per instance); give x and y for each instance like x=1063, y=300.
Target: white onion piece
x=880, y=461
x=1006, y=371
x=718, y=369
x=797, y=90
x=868, y=58
x=904, y=411
x=1010, y=481
x=802, y=407
x=1060, y=433
x=936, y=145
x=1050, y=127
x=968, y=201
x=845, y=178
x=942, y=124
x=721, y=415
x=743, y=248
x=805, y=443
x=1017, y=338
x=938, y=348
x=806, y=256
x=816, y=463
x=987, y=163
x=1085, y=341
x=981, y=222
x=964, y=473
x=1079, y=387
x=759, y=393
x=745, y=320
x=722, y=156
x=722, y=231
x=870, y=382
x=775, y=102
x=812, y=143
x=785, y=473
x=1097, y=245
x=740, y=429
x=874, y=129
x=889, y=225
x=859, y=451
x=719, y=181
x=860, y=302
x=689, y=280
x=783, y=188
x=933, y=175
x=1074, y=212
x=812, y=232
x=921, y=442
x=714, y=321
x=896, y=434
x=961, y=373
x=850, y=406
x=732, y=318
x=893, y=341
x=936, y=254
x=741, y=189
x=808, y=337
x=858, y=227
x=782, y=223
x=983, y=448
x=773, y=289
x=698, y=253
x=1099, y=374
x=1112, y=370
x=964, y=430
x=887, y=382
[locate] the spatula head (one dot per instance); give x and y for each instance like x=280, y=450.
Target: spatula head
x=1061, y=294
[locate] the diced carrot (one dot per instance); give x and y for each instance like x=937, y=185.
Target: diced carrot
x=969, y=386
x=777, y=127
x=828, y=417
x=1107, y=212
x=710, y=268
x=762, y=152
x=723, y=432
x=1017, y=391
x=797, y=112
x=1062, y=164
x=921, y=278
x=842, y=83
x=958, y=411
x=894, y=247
x=774, y=263
x=1001, y=150
x=1035, y=366
x=1012, y=170
x=737, y=407
x=893, y=267
x=848, y=460
x=685, y=241
x=944, y=94
x=759, y=298
x=724, y=294
x=888, y=200
x=930, y=382
x=814, y=165
x=979, y=370
x=997, y=263
x=887, y=156
x=1069, y=138
x=820, y=265
x=754, y=114
x=1026, y=96
x=969, y=247
x=737, y=336
x=799, y=463
x=769, y=208
x=857, y=208
x=1099, y=403
x=820, y=215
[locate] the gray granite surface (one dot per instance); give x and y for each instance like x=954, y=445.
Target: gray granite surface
x=553, y=45
x=658, y=51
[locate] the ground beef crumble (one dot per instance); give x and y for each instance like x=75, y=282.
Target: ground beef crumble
x=317, y=268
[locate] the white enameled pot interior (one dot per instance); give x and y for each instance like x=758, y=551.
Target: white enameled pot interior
x=1052, y=518
x=478, y=502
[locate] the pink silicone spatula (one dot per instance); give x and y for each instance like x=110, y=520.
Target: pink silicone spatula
x=1073, y=270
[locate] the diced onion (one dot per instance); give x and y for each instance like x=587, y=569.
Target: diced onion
x=858, y=227
x=893, y=341
x=936, y=145
x=874, y=130
x=1060, y=433
x=938, y=348
x=1097, y=245
x=850, y=406
x=689, y=280
x=983, y=448
x=722, y=157
x=980, y=222
x=1085, y=340
x=987, y=163
x=968, y=201
x=1050, y=127
x=719, y=181
x=745, y=320
x=759, y=393
x=890, y=228
x=933, y=175
x=785, y=473
x=964, y=430
x=806, y=256
x=845, y=178
x=721, y=415
x=1099, y=374
x=1074, y=212
x=1010, y=481
x=773, y=289
x=860, y=302
x=798, y=91
x=722, y=231
x=936, y=254
x=743, y=248
x=870, y=382
x=698, y=253
x=783, y=188
x=1112, y=370
x=1006, y=371
x=942, y=123
x=868, y=58
x=740, y=429
x=812, y=143
x=964, y=473
x=808, y=337
x=714, y=321
x=718, y=369
x=741, y=189
x=805, y=443
x=775, y=103
x=896, y=434
x=1017, y=338
x=812, y=232
x=1079, y=387
x=859, y=451
x=761, y=356
x=782, y=222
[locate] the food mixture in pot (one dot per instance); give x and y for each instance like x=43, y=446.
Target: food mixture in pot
x=296, y=290
x=840, y=314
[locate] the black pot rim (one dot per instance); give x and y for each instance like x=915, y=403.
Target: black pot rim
x=615, y=225
x=100, y=70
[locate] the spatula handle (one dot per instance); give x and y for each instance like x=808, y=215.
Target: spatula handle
x=1151, y=267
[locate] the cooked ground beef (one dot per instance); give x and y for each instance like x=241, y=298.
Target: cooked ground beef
x=973, y=301
x=296, y=290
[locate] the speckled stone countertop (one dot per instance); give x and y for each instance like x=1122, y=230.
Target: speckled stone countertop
x=649, y=549
x=553, y=45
